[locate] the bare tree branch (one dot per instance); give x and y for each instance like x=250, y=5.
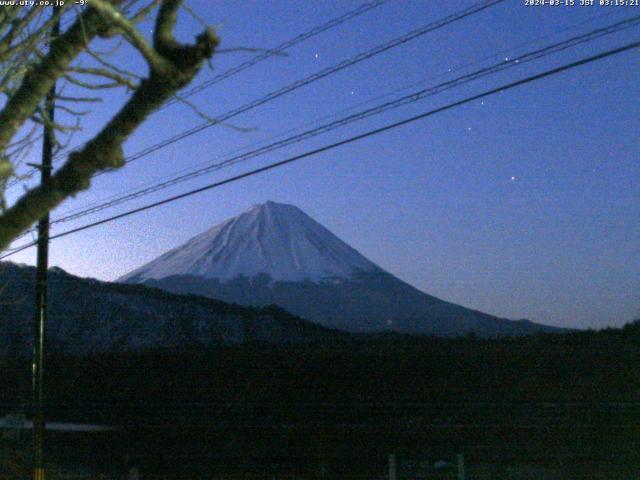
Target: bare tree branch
x=39, y=80
x=172, y=65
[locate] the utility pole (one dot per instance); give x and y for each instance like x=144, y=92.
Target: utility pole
x=393, y=468
x=41, y=283
x=460, y=463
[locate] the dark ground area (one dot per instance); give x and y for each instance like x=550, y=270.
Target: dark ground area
x=553, y=405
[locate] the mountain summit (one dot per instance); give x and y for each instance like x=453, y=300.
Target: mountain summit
x=273, y=238
x=276, y=254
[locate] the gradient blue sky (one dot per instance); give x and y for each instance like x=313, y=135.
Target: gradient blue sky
x=526, y=205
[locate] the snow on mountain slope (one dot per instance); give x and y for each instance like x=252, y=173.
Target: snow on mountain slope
x=274, y=254
x=272, y=238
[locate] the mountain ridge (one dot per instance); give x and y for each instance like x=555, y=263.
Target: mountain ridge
x=276, y=254
x=89, y=316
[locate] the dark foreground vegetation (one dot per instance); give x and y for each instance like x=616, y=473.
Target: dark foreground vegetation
x=553, y=405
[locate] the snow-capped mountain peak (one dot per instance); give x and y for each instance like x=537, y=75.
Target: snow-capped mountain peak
x=313, y=274
x=273, y=238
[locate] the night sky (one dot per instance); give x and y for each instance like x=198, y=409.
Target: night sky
x=523, y=205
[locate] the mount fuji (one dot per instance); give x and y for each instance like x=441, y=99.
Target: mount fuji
x=276, y=254
x=275, y=239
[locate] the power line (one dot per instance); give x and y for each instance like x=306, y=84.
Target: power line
x=207, y=164
x=476, y=8
x=346, y=141
x=404, y=100
x=365, y=7
x=278, y=49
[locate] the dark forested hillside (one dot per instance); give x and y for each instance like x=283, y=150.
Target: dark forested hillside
x=89, y=316
x=546, y=399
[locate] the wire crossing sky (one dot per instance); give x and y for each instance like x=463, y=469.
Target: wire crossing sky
x=278, y=50
x=405, y=99
x=326, y=148
x=523, y=204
